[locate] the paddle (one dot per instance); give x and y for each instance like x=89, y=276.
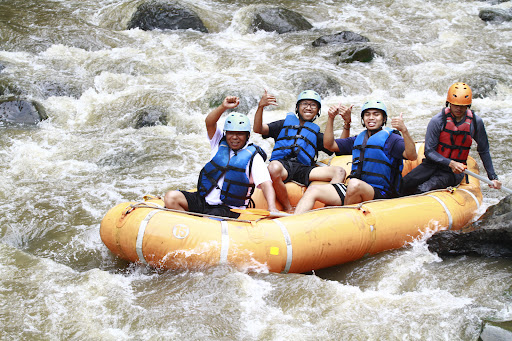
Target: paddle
x=260, y=212
x=487, y=181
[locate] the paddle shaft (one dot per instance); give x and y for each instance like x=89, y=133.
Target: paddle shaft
x=487, y=181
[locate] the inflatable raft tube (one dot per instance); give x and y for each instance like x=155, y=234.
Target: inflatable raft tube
x=147, y=233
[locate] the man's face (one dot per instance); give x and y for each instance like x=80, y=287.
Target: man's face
x=236, y=139
x=373, y=119
x=458, y=111
x=308, y=109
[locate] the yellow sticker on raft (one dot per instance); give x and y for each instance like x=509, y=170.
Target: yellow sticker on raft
x=274, y=250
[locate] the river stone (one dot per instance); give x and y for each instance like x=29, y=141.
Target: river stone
x=280, y=20
x=359, y=53
x=165, y=16
x=150, y=117
x=490, y=236
x=496, y=331
x=324, y=84
x=21, y=112
x=483, y=87
x=340, y=38
x=495, y=15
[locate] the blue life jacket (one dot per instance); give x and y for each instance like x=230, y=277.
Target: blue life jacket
x=236, y=188
x=296, y=141
x=371, y=164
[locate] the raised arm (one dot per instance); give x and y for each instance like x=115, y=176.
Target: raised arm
x=410, y=147
x=329, y=142
x=258, y=126
x=211, y=119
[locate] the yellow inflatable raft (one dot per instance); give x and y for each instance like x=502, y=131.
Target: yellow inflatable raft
x=146, y=232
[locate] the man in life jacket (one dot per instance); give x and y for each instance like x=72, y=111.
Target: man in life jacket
x=448, y=140
x=297, y=142
x=377, y=159
x=227, y=181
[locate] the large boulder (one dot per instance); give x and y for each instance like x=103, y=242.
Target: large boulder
x=280, y=20
x=166, y=16
x=14, y=112
x=495, y=15
x=490, y=236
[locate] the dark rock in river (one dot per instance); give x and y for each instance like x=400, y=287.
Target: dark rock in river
x=495, y=15
x=21, y=112
x=248, y=100
x=355, y=53
x=166, y=16
x=340, y=38
x=490, y=236
x=150, y=117
x=280, y=20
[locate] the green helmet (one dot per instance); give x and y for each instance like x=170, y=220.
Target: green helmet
x=374, y=104
x=237, y=122
x=310, y=94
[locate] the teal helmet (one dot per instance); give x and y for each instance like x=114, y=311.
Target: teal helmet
x=237, y=122
x=373, y=104
x=309, y=94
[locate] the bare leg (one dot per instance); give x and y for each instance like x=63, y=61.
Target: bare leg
x=358, y=191
x=176, y=200
x=333, y=174
x=278, y=175
x=326, y=194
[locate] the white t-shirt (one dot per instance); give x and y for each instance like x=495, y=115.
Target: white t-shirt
x=259, y=172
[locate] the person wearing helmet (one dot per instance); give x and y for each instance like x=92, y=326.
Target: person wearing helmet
x=448, y=140
x=297, y=143
x=377, y=158
x=228, y=180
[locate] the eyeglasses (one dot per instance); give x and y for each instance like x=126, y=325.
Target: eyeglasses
x=312, y=105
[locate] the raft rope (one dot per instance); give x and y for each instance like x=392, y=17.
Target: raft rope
x=224, y=246
x=140, y=236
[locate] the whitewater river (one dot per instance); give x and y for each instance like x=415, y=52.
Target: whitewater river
x=57, y=180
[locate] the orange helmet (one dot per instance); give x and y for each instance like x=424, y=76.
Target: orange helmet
x=459, y=94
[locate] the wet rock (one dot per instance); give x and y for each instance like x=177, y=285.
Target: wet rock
x=280, y=20
x=15, y=112
x=483, y=87
x=166, y=16
x=50, y=88
x=1, y=67
x=496, y=331
x=490, y=236
x=358, y=53
x=344, y=37
x=248, y=101
x=324, y=84
x=495, y=15
x=150, y=117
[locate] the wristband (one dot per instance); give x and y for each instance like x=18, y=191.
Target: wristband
x=346, y=126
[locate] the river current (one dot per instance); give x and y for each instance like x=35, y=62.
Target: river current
x=57, y=279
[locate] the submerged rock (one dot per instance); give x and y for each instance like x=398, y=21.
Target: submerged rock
x=280, y=20
x=344, y=37
x=490, y=236
x=15, y=112
x=150, y=117
x=166, y=16
x=495, y=15
x=496, y=331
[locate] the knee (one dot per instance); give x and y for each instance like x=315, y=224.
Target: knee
x=275, y=169
x=313, y=192
x=354, y=186
x=171, y=199
x=339, y=172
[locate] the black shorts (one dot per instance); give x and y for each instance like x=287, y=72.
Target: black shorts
x=197, y=204
x=297, y=171
x=342, y=191
x=377, y=192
